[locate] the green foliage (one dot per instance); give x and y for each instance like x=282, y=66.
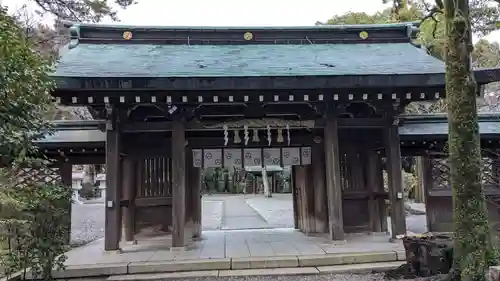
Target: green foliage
x=33, y=217
x=432, y=35
x=34, y=231
x=25, y=88
x=410, y=184
x=83, y=10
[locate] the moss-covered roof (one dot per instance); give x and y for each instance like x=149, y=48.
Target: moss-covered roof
x=102, y=51
x=143, y=60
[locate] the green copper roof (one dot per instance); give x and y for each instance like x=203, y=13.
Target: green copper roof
x=74, y=136
x=437, y=125
x=143, y=60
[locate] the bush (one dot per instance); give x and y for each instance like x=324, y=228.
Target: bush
x=35, y=231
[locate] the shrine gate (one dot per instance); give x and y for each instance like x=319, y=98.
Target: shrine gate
x=171, y=101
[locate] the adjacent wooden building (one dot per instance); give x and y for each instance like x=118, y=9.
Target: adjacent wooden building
x=325, y=100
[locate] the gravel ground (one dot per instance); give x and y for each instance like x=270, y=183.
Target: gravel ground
x=87, y=223
x=322, y=277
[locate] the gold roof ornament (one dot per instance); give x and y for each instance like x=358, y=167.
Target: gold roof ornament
x=248, y=36
x=127, y=35
x=363, y=35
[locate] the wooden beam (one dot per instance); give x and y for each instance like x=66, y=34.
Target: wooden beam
x=395, y=180
x=352, y=123
x=333, y=180
x=80, y=159
x=113, y=224
x=197, y=125
x=178, y=183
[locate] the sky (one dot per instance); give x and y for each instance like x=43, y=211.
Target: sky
x=234, y=13
x=237, y=12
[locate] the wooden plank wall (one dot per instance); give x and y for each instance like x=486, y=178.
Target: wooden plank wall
x=153, y=194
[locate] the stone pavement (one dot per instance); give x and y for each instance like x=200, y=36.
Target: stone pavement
x=277, y=210
x=237, y=250
x=233, y=212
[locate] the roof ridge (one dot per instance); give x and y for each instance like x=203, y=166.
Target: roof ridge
x=325, y=34
x=212, y=28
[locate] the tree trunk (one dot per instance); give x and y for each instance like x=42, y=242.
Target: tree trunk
x=472, y=237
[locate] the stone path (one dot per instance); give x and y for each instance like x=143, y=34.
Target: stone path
x=277, y=210
x=239, y=215
x=212, y=211
x=233, y=212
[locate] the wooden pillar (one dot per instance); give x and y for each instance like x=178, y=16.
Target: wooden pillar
x=419, y=191
x=113, y=224
x=395, y=180
x=193, y=196
x=178, y=183
x=304, y=199
x=129, y=180
x=376, y=186
x=295, y=198
x=139, y=182
x=188, y=214
x=66, y=172
x=196, y=200
x=300, y=186
x=309, y=201
x=333, y=180
x=320, y=198
x=427, y=182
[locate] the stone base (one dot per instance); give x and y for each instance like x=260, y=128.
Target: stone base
x=199, y=238
x=339, y=242
x=119, y=251
x=178, y=249
x=395, y=240
x=380, y=234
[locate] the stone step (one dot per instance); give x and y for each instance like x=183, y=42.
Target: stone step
x=326, y=262
x=338, y=269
